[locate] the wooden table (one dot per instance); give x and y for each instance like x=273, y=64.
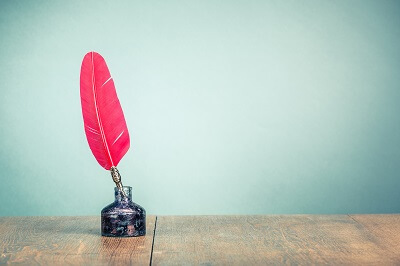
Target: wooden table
x=206, y=240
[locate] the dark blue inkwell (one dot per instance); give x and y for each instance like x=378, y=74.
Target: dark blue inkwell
x=123, y=217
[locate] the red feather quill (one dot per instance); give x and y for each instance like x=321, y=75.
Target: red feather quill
x=104, y=121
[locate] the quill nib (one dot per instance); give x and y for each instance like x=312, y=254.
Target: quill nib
x=117, y=179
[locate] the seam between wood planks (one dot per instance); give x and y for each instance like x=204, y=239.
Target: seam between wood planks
x=351, y=217
x=152, y=244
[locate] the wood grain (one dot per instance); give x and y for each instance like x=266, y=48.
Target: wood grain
x=69, y=240
x=260, y=240
x=385, y=230
x=209, y=240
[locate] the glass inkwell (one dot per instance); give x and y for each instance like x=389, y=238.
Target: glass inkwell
x=123, y=217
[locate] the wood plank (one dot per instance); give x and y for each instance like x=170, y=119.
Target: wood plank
x=385, y=230
x=279, y=239
x=69, y=240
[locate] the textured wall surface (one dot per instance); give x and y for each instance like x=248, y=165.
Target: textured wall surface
x=234, y=107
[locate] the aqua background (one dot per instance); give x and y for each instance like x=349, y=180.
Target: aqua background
x=234, y=107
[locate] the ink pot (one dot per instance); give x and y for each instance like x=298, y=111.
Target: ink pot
x=123, y=217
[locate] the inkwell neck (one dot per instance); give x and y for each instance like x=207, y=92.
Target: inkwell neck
x=120, y=197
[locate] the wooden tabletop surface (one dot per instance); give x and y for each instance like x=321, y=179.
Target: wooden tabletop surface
x=206, y=240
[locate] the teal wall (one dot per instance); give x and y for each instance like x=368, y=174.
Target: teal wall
x=234, y=107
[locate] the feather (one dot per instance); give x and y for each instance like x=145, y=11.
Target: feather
x=104, y=121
